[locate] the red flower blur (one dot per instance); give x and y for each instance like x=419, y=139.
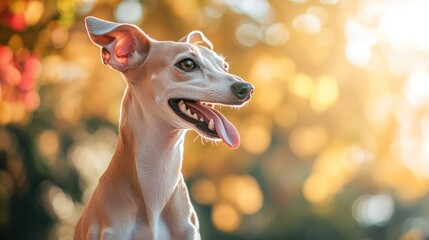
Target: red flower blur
x=18, y=72
x=15, y=21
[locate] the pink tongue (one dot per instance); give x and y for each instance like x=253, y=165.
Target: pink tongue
x=223, y=127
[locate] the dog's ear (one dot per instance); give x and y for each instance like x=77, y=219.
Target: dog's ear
x=123, y=46
x=197, y=37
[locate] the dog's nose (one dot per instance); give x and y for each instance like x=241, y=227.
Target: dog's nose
x=242, y=90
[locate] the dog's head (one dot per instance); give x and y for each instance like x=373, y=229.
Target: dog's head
x=181, y=82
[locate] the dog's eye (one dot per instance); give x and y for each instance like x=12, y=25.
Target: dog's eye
x=187, y=65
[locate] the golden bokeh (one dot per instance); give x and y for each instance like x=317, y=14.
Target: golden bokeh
x=204, y=191
x=256, y=138
x=34, y=12
x=325, y=94
x=302, y=85
x=243, y=191
x=308, y=141
x=334, y=140
x=225, y=217
x=286, y=116
x=48, y=142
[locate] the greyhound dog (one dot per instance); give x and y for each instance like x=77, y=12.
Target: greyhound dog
x=172, y=87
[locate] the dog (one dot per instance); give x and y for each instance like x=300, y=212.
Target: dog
x=172, y=87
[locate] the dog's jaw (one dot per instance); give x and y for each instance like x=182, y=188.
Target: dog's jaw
x=206, y=120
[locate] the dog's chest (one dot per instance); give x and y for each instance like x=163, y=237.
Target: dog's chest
x=142, y=230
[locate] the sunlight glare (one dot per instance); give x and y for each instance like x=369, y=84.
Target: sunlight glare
x=404, y=25
x=417, y=87
x=259, y=10
x=360, y=40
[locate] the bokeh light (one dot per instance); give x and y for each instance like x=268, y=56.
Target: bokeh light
x=243, y=191
x=373, y=210
x=247, y=34
x=307, y=22
x=48, y=142
x=130, y=11
x=276, y=34
x=34, y=12
x=334, y=143
x=225, y=217
x=61, y=203
x=204, y=191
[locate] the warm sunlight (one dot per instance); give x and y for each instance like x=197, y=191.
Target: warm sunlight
x=334, y=142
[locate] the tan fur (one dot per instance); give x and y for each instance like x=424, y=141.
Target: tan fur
x=142, y=194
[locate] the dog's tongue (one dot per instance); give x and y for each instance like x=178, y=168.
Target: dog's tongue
x=224, y=128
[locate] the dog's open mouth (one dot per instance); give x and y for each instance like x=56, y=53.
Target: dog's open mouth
x=207, y=119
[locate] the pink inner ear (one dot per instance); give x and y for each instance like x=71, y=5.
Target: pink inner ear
x=124, y=48
x=123, y=45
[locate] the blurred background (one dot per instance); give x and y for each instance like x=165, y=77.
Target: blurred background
x=335, y=143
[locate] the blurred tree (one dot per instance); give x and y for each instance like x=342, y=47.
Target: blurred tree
x=25, y=176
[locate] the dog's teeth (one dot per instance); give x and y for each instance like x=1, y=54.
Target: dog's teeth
x=181, y=102
x=195, y=116
x=211, y=124
x=182, y=107
x=188, y=112
x=201, y=120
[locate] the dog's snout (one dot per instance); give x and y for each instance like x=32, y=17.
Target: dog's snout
x=242, y=90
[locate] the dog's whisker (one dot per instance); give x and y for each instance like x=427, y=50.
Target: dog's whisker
x=202, y=140
x=195, y=139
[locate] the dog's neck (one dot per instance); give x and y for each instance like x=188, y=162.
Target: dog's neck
x=157, y=153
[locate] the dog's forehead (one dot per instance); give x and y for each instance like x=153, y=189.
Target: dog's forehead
x=187, y=49
x=204, y=53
